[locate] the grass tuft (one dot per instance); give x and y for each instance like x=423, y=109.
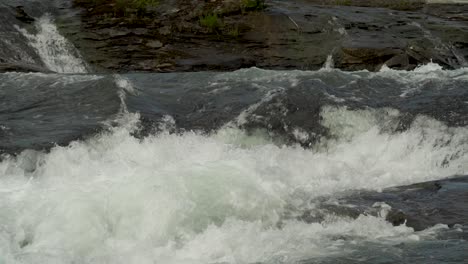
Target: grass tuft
x=211, y=21
x=234, y=31
x=253, y=5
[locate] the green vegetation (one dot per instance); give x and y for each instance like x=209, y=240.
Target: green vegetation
x=211, y=21
x=253, y=5
x=234, y=31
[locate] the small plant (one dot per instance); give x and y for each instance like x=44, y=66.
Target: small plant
x=234, y=31
x=252, y=5
x=211, y=21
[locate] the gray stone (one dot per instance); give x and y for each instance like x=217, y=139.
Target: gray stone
x=154, y=44
x=166, y=30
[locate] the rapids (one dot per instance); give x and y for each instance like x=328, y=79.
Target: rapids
x=224, y=194
x=218, y=167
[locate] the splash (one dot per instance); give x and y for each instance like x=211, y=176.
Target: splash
x=226, y=196
x=193, y=198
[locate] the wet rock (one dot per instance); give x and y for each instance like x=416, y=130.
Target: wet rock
x=396, y=218
x=400, y=62
x=116, y=32
x=215, y=62
x=419, y=206
x=288, y=108
x=22, y=16
x=285, y=35
x=165, y=67
x=166, y=30
x=140, y=31
x=21, y=67
x=154, y=44
x=359, y=55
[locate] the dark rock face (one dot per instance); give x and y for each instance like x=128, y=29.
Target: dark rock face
x=419, y=206
x=22, y=16
x=427, y=204
x=21, y=67
x=15, y=52
x=286, y=35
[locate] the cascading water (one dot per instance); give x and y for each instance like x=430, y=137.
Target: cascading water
x=57, y=53
x=329, y=63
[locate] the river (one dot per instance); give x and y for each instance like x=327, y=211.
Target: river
x=219, y=167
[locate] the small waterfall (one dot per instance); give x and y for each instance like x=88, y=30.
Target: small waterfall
x=57, y=53
x=329, y=63
x=335, y=27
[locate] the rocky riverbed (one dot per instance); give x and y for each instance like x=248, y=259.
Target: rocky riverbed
x=225, y=35
x=298, y=34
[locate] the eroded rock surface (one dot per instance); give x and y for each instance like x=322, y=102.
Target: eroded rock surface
x=295, y=34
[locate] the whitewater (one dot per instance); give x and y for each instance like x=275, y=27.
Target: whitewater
x=164, y=191
x=220, y=197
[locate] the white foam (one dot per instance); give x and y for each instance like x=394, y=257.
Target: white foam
x=414, y=79
x=57, y=53
x=125, y=87
x=242, y=119
x=427, y=68
x=195, y=198
x=329, y=63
